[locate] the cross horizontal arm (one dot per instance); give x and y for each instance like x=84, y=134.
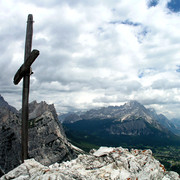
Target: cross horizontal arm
x=25, y=68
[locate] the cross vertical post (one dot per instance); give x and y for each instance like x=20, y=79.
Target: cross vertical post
x=24, y=72
x=25, y=94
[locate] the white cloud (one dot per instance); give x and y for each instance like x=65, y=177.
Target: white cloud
x=93, y=53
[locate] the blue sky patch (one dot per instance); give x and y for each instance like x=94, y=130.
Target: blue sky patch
x=153, y=3
x=140, y=75
x=130, y=23
x=178, y=68
x=127, y=22
x=146, y=72
x=142, y=34
x=174, y=6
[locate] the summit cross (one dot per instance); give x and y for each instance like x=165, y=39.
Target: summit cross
x=25, y=72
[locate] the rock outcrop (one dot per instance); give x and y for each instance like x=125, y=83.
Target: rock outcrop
x=9, y=140
x=105, y=163
x=4, y=104
x=47, y=140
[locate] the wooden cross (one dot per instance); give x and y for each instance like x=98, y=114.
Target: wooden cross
x=25, y=72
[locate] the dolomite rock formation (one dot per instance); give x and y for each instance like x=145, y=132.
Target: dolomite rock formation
x=131, y=119
x=10, y=148
x=105, y=163
x=47, y=140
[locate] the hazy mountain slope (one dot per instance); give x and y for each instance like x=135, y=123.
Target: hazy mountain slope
x=176, y=123
x=165, y=122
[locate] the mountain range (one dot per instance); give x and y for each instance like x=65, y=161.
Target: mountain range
x=128, y=123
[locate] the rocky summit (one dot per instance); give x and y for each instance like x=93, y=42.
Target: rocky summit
x=47, y=140
x=4, y=104
x=104, y=163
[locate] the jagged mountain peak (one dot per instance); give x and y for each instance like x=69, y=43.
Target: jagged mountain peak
x=133, y=118
x=2, y=101
x=42, y=105
x=4, y=104
x=133, y=103
x=37, y=109
x=120, y=113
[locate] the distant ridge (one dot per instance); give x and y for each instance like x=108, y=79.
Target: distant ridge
x=125, y=113
x=128, y=124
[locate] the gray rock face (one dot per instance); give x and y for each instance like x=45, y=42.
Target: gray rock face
x=4, y=104
x=120, y=113
x=9, y=140
x=47, y=140
x=105, y=163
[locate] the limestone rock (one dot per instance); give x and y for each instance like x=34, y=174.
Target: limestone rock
x=47, y=140
x=4, y=104
x=9, y=140
x=105, y=163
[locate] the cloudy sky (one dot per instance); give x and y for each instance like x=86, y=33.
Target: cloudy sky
x=94, y=53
